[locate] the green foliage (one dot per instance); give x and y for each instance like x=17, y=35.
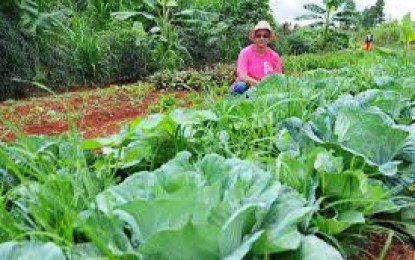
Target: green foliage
x=240, y=17
x=180, y=80
x=228, y=207
x=52, y=185
x=296, y=169
x=88, y=48
x=386, y=33
x=226, y=34
x=327, y=15
x=84, y=56
x=166, y=103
x=330, y=60
x=160, y=20
x=203, y=41
x=380, y=13
x=77, y=42
x=373, y=15
x=221, y=73
x=15, y=251
x=407, y=30
x=308, y=40
x=28, y=15
x=208, y=77
x=18, y=58
x=129, y=59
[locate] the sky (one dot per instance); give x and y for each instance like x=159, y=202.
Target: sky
x=286, y=10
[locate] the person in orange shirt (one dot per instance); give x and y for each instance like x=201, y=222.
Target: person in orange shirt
x=369, y=42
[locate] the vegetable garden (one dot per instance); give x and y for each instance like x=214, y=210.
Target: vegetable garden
x=316, y=163
x=306, y=167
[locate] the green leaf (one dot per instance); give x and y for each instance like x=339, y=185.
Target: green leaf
x=295, y=172
x=358, y=192
x=214, y=168
x=175, y=244
x=156, y=124
x=127, y=15
x=106, y=232
x=345, y=185
x=338, y=224
x=281, y=224
x=290, y=137
x=30, y=251
x=149, y=217
x=236, y=227
x=369, y=134
x=313, y=248
x=138, y=186
x=246, y=246
x=172, y=176
x=171, y=3
x=85, y=251
x=390, y=102
x=178, y=173
x=326, y=162
x=191, y=117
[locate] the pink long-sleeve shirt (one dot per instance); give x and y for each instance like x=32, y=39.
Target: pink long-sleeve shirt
x=257, y=65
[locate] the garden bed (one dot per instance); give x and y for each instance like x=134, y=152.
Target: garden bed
x=100, y=112
x=96, y=113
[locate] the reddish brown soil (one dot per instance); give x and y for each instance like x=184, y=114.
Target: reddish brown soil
x=398, y=250
x=95, y=115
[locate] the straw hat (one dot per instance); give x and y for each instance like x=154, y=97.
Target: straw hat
x=262, y=25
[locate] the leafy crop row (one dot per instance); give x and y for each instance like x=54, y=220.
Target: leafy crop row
x=300, y=168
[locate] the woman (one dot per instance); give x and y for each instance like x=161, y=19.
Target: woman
x=256, y=60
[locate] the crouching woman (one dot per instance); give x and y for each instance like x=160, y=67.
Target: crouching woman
x=256, y=60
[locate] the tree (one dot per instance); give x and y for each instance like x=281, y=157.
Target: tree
x=379, y=11
x=368, y=17
x=373, y=15
x=327, y=15
x=350, y=6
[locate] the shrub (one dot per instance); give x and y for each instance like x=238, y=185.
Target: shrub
x=221, y=73
x=57, y=65
x=84, y=56
x=180, y=80
x=217, y=75
x=296, y=64
x=18, y=58
x=308, y=40
x=337, y=41
x=130, y=60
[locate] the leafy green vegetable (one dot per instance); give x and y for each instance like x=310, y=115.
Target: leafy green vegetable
x=30, y=250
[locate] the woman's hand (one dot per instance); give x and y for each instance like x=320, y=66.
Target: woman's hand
x=250, y=81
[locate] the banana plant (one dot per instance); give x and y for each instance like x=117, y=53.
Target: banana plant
x=160, y=19
x=327, y=15
x=29, y=16
x=407, y=30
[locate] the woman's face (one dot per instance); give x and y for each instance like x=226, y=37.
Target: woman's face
x=261, y=38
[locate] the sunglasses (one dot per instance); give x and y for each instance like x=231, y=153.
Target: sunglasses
x=263, y=36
